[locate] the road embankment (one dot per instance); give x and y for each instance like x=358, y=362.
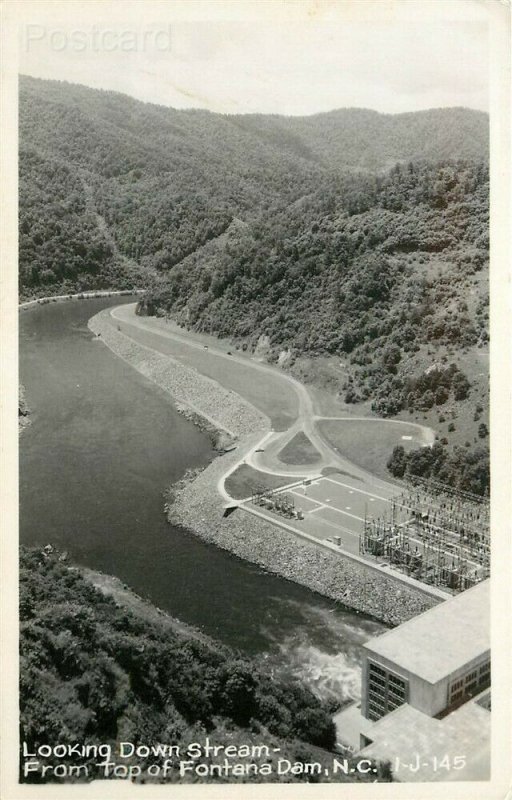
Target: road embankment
x=220, y=412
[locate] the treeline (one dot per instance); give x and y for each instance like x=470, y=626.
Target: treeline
x=92, y=671
x=466, y=470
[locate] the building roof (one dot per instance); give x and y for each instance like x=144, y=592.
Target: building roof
x=438, y=642
x=406, y=734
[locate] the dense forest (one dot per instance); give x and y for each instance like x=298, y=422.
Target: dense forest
x=93, y=671
x=468, y=470
x=351, y=239
x=373, y=269
x=162, y=182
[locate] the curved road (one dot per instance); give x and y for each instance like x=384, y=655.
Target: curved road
x=272, y=442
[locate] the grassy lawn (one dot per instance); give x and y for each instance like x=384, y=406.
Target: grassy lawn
x=241, y=483
x=299, y=450
x=369, y=443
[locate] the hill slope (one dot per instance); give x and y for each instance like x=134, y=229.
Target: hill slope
x=97, y=671
x=165, y=182
x=295, y=229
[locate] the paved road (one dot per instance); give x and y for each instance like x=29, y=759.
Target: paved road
x=273, y=441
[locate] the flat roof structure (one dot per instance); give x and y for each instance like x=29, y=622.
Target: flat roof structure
x=421, y=748
x=437, y=642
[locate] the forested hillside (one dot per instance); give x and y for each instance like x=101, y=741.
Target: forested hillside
x=380, y=262
x=389, y=273
x=349, y=235
x=94, y=672
x=165, y=182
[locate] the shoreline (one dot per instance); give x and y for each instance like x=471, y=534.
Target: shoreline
x=126, y=597
x=88, y=295
x=24, y=412
x=194, y=503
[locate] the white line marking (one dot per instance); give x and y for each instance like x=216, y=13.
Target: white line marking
x=339, y=511
x=339, y=528
x=310, y=499
x=361, y=491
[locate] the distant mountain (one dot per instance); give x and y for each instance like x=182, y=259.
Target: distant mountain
x=67, y=115
x=112, y=189
x=363, y=139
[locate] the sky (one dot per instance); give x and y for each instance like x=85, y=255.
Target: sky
x=283, y=57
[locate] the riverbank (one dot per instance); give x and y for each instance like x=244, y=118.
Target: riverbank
x=220, y=412
x=127, y=598
x=58, y=298
x=23, y=410
x=130, y=668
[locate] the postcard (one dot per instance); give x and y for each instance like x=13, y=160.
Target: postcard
x=256, y=452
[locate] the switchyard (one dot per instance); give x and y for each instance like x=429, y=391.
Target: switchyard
x=433, y=533
x=274, y=500
x=425, y=530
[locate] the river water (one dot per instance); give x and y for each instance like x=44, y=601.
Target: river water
x=103, y=445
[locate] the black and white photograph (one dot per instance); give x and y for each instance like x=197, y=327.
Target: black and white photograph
x=255, y=313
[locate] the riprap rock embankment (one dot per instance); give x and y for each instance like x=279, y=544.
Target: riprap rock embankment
x=202, y=399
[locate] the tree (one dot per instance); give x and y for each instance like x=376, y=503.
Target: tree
x=442, y=395
x=483, y=430
x=397, y=462
x=460, y=385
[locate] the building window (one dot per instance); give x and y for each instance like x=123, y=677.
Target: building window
x=385, y=691
x=471, y=684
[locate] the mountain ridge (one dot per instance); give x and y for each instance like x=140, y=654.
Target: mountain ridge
x=475, y=128
x=25, y=77
x=166, y=181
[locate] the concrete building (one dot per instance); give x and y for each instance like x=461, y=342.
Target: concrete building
x=431, y=662
x=424, y=685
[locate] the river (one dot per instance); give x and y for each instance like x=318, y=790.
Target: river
x=103, y=445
